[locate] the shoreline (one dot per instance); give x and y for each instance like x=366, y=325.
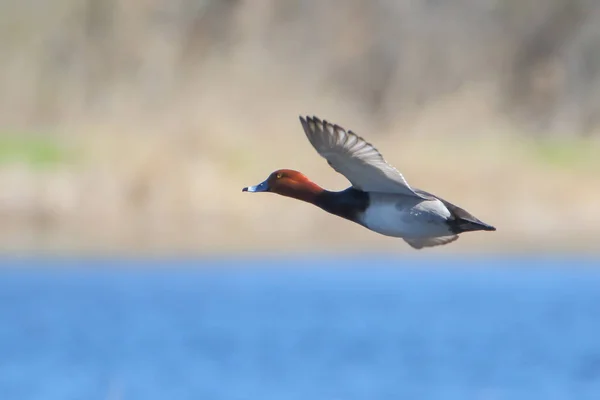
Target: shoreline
x=172, y=197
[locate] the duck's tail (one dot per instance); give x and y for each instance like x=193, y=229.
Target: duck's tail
x=461, y=225
x=464, y=221
x=461, y=220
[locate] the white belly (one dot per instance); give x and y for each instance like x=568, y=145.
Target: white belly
x=412, y=219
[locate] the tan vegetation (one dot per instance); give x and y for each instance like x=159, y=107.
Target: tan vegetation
x=132, y=126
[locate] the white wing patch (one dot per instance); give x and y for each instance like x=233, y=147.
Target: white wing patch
x=430, y=242
x=356, y=159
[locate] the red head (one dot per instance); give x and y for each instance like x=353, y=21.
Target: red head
x=290, y=183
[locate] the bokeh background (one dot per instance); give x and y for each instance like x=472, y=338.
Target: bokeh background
x=133, y=267
x=131, y=126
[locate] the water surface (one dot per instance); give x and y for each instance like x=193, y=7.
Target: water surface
x=258, y=329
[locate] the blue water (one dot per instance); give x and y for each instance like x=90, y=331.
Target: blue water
x=303, y=329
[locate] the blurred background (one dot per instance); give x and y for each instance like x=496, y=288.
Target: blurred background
x=135, y=268
x=131, y=126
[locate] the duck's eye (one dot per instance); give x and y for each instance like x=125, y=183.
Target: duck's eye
x=279, y=175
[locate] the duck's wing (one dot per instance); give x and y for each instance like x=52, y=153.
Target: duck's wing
x=356, y=159
x=430, y=242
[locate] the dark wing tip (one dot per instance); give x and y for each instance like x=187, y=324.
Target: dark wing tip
x=322, y=123
x=307, y=121
x=308, y=118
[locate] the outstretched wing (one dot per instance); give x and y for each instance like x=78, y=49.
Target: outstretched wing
x=355, y=158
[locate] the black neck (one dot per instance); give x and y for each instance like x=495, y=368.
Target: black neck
x=347, y=204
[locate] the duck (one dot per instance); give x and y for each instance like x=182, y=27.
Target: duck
x=379, y=198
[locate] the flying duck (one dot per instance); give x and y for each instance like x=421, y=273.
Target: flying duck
x=380, y=199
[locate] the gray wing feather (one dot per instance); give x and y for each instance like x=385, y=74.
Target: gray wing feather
x=430, y=242
x=356, y=159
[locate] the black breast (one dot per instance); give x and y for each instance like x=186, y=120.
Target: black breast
x=348, y=204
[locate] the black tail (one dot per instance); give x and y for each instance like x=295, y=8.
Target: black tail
x=461, y=225
x=461, y=220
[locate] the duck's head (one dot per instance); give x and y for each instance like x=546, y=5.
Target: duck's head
x=287, y=182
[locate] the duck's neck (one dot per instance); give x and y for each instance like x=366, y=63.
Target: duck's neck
x=348, y=204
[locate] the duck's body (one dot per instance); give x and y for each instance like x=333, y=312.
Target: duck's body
x=406, y=217
x=414, y=219
x=380, y=199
